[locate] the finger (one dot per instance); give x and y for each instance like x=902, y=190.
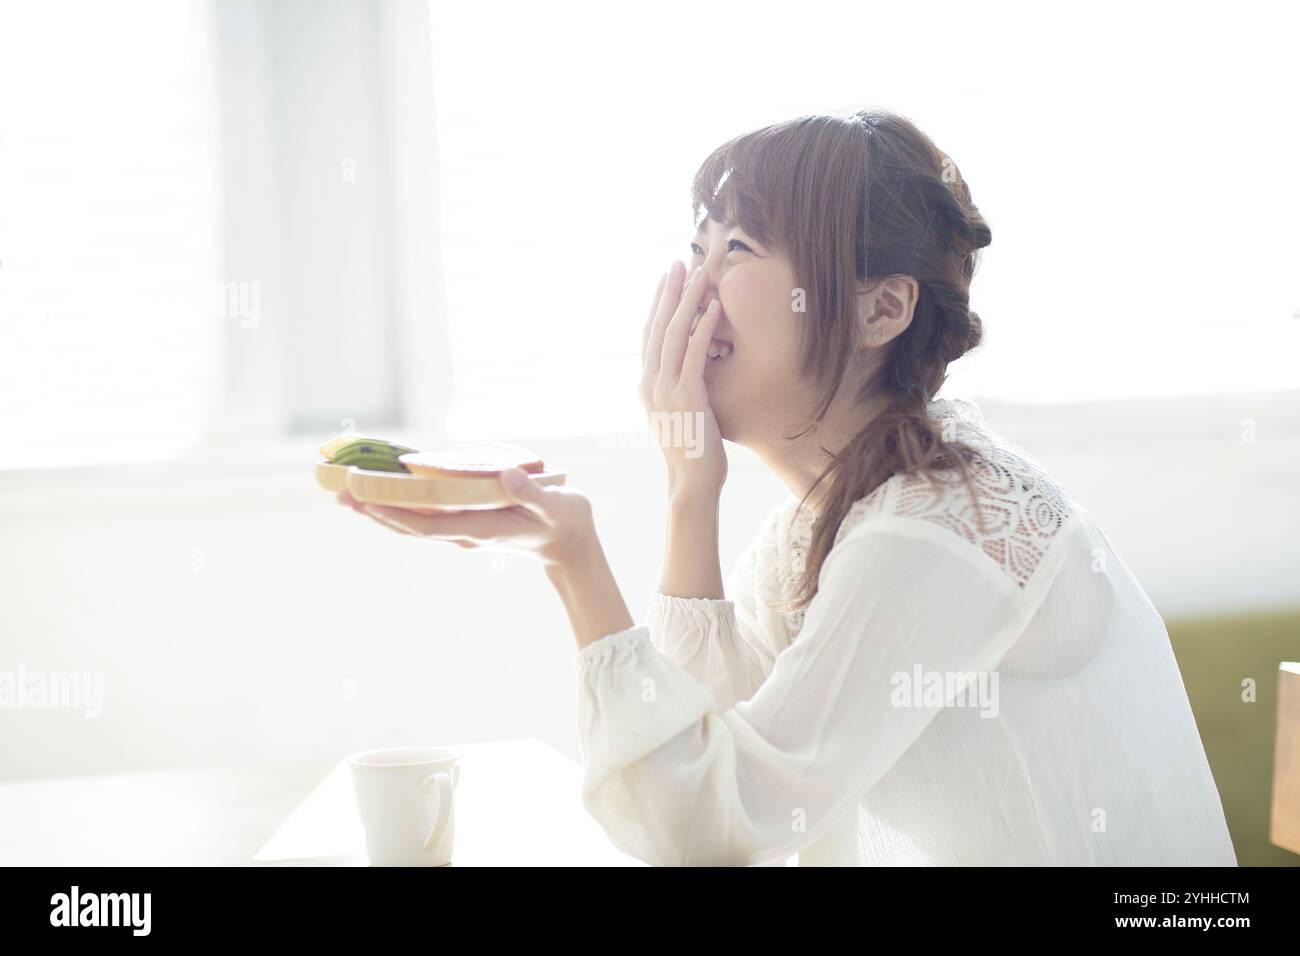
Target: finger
x=447, y=526
x=697, y=351
x=524, y=491
x=344, y=498
x=650, y=319
x=381, y=520
x=663, y=313
x=668, y=297
x=678, y=331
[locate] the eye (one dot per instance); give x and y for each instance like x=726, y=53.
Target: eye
x=733, y=245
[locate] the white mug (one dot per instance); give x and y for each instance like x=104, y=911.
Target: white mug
x=405, y=796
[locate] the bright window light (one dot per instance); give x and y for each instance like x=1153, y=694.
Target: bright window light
x=1134, y=254
x=108, y=316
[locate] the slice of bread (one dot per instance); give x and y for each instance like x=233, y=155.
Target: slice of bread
x=477, y=459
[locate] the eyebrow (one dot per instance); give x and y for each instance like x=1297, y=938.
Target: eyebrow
x=699, y=230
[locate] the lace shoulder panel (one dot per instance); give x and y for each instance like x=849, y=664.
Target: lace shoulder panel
x=1023, y=509
x=1018, y=509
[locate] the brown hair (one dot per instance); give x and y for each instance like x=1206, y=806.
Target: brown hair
x=856, y=199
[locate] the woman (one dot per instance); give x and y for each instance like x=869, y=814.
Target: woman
x=930, y=654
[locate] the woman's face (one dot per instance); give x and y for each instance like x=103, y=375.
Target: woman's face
x=757, y=391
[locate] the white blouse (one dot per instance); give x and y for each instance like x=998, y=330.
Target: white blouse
x=953, y=695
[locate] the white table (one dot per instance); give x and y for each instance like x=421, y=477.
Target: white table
x=518, y=804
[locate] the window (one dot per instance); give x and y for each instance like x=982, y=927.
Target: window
x=1134, y=251
x=563, y=199
x=107, y=225
x=239, y=219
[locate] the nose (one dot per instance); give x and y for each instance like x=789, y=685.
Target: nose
x=710, y=287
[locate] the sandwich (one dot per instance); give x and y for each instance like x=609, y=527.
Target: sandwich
x=460, y=478
x=478, y=460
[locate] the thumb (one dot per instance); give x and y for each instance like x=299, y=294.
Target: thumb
x=520, y=487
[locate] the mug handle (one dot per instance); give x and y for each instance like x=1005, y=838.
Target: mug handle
x=439, y=784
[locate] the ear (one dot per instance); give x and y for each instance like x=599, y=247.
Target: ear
x=885, y=309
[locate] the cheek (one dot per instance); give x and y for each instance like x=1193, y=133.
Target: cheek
x=743, y=293
x=757, y=305
x=758, y=310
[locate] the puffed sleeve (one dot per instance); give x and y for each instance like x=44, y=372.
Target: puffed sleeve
x=716, y=641
x=676, y=779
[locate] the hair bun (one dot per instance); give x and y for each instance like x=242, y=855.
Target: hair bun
x=966, y=229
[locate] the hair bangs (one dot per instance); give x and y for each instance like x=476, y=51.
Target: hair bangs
x=735, y=183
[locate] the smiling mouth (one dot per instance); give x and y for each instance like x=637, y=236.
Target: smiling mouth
x=719, y=349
